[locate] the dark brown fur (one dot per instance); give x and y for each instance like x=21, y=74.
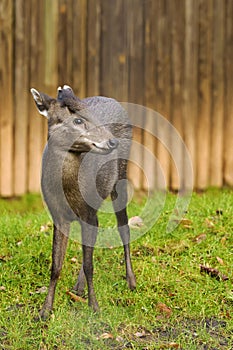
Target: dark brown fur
x=76, y=181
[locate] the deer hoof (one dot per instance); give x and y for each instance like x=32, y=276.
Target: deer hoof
x=131, y=280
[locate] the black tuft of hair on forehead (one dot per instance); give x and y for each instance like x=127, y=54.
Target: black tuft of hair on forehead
x=67, y=99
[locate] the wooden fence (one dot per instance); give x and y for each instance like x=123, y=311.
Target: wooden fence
x=174, y=56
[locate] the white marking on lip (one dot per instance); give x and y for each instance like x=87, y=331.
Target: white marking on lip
x=100, y=145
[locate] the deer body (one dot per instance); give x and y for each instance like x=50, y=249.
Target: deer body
x=83, y=162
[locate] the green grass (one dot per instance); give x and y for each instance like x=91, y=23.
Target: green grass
x=174, y=305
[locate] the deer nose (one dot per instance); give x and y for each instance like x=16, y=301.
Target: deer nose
x=113, y=143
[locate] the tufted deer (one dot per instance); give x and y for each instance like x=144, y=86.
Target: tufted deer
x=84, y=161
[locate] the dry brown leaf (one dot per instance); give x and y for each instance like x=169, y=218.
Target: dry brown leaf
x=169, y=346
x=200, y=238
x=43, y=346
x=75, y=297
x=119, y=339
x=135, y=222
x=46, y=227
x=153, y=259
x=41, y=290
x=5, y=258
x=106, y=336
x=209, y=223
x=223, y=240
x=2, y=288
x=140, y=334
x=220, y=260
x=164, y=309
x=213, y=273
x=186, y=223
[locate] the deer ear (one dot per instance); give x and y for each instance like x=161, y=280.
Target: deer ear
x=43, y=102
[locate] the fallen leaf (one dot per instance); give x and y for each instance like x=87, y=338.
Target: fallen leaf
x=226, y=314
x=220, y=260
x=223, y=240
x=213, y=273
x=186, y=223
x=73, y=260
x=43, y=347
x=140, y=334
x=5, y=258
x=109, y=246
x=153, y=259
x=75, y=297
x=135, y=222
x=46, y=227
x=182, y=221
x=200, y=238
x=15, y=307
x=106, y=336
x=187, y=226
x=174, y=345
x=2, y=288
x=169, y=346
x=164, y=309
x=119, y=339
x=209, y=223
x=42, y=290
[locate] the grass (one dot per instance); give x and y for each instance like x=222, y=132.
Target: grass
x=174, y=305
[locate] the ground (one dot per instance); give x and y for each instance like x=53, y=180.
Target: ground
x=177, y=305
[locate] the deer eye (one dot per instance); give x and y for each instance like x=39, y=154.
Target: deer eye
x=78, y=121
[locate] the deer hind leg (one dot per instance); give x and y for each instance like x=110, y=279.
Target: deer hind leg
x=60, y=239
x=81, y=283
x=119, y=199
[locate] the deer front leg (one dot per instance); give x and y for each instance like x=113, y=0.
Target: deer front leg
x=89, y=234
x=88, y=270
x=60, y=239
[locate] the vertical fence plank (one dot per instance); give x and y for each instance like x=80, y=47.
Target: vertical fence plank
x=117, y=22
x=135, y=47
x=79, y=45
x=65, y=37
x=93, y=47
x=228, y=102
x=204, y=89
x=21, y=93
x=150, y=50
x=6, y=98
x=190, y=106
x=106, y=54
x=113, y=54
x=163, y=92
x=217, y=110
x=136, y=86
x=37, y=71
x=149, y=139
x=50, y=21
x=177, y=54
